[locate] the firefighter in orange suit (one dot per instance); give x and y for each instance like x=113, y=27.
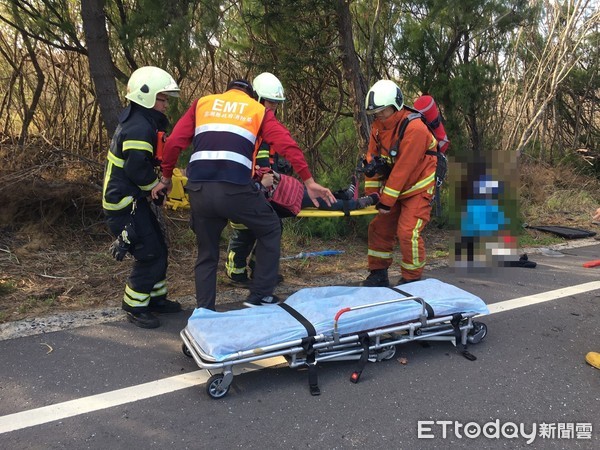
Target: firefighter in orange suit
x=400, y=164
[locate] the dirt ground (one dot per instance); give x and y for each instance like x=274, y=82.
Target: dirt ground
x=54, y=257
x=54, y=251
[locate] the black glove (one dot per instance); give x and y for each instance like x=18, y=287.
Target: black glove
x=161, y=197
x=380, y=205
x=123, y=243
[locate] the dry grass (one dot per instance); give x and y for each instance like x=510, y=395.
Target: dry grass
x=557, y=196
x=53, y=241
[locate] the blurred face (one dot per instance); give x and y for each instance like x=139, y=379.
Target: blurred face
x=161, y=103
x=271, y=105
x=384, y=113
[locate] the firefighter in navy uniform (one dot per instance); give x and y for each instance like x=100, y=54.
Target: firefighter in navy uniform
x=240, y=255
x=130, y=174
x=405, y=182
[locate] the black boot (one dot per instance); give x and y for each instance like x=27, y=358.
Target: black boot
x=239, y=278
x=522, y=262
x=143, y=319
x=348, y=194
x=377, y=278
x=404, y=280
x=164, y=306
x=366, y=201
x=261, y=300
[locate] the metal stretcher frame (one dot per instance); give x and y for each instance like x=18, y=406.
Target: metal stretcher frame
x=370, y=345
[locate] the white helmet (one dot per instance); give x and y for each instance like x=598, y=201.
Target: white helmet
x=146, y=82
x=382, y=94
x=268, y=87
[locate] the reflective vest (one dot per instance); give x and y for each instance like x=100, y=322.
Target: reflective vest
x=226, y=130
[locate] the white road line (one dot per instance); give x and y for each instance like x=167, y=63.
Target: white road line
x=542, y=297
x=92, y=403
x=51, y=413
x=46, y=414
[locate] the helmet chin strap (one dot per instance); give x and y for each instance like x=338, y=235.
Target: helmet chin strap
x=372, y=100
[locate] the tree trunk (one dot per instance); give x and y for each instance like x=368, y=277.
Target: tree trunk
x=352, y=73
x=100, y=60
x=29, y=111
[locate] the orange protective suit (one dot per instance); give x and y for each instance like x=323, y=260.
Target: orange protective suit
x=407, y=193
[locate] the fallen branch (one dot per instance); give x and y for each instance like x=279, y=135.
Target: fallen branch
x=11, y=254
x=55, y=277
x=50, y=349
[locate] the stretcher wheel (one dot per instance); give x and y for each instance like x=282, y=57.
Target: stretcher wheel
x=214, y=386
x=389, y=352
x=186, y=350
x=477, y=333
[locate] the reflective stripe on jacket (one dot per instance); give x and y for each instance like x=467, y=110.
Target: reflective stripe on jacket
x=130, y=172
x=226, y=129
x=413, y=170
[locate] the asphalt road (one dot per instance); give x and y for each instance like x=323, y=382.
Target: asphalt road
x=114, y=386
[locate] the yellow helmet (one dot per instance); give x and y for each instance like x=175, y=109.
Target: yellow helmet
x=268, y=87
x=146, y=82
x=382, y=94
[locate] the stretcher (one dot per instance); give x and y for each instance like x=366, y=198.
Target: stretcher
x=178, y=199
x=315, y=212
x=333, y=323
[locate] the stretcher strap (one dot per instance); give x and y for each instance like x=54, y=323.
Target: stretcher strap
x=364, y=340
x=428, y=307
x=307, y=344
x=310, y=329
x=455, y=322
x=346, y=206
x=311, y=363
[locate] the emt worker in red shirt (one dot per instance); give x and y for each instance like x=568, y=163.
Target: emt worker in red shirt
x=223, y=130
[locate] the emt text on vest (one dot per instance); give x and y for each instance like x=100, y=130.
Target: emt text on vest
x=229, y=107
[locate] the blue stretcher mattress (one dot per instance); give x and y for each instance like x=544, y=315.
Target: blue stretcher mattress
x=222, y=334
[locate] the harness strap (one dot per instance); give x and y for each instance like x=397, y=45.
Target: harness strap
x=393, y=150
x=307, y=345
x=440, y=175
x=428, y=308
